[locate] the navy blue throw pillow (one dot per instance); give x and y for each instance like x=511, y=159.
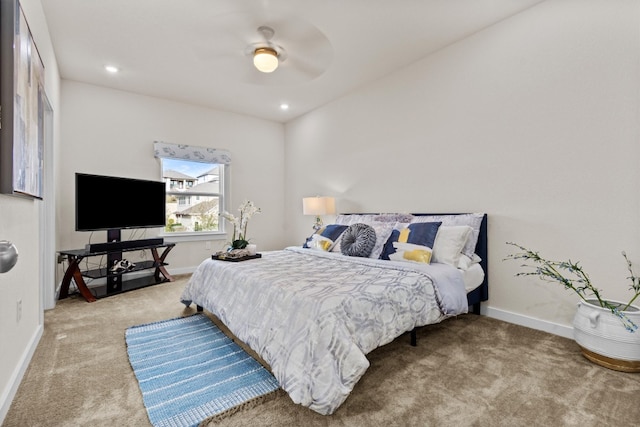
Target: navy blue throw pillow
x=422, y=233
x=331, y=231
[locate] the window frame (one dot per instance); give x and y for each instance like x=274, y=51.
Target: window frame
x=223, y=197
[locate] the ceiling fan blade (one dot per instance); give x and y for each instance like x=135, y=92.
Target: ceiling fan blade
x=226, y=42
x=303, y=68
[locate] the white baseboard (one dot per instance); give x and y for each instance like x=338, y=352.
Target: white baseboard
x=18, y=373
x=529, y=322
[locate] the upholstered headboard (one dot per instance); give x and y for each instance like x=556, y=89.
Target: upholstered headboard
x=481, y=293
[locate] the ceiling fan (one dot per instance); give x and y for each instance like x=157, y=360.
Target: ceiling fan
x=266, y=54
x=236, y=43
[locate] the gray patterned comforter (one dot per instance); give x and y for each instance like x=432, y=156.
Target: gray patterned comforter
x=313, y=316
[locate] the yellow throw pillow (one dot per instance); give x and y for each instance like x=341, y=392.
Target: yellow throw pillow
x=319, y=242
x=412, y=253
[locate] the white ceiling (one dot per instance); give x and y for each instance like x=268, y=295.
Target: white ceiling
x=194, y=51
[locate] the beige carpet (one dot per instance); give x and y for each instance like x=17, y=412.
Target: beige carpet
x=466, y=371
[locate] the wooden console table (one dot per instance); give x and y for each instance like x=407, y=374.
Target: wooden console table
x=115, y=283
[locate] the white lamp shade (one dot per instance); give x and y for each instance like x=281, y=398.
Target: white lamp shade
x=265, y=59
x=318, y=205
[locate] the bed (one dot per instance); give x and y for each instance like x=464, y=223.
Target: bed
x=313, y=312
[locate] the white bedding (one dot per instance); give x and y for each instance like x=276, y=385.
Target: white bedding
x=313, y=315
x=472, y=277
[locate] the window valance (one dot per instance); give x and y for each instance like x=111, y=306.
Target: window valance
x=192, y=153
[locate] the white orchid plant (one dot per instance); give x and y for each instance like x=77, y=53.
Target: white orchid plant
x=247, y=209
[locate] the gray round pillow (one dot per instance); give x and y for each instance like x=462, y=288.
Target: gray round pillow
x=358, y=240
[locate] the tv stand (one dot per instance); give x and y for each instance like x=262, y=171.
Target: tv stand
x=116, y=282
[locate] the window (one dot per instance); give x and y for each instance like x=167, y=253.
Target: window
x=195, y=188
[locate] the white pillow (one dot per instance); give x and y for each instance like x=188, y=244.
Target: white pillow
x=383, y=231
x=350, y=219
x=474, y=220
x=450, y=242
x=336, y=245
x=411, y=253
x=466, y=263
x=320, y=243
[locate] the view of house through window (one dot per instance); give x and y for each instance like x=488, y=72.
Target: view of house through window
x=194, y=195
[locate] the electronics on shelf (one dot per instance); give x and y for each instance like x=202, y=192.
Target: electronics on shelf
x=124, y=244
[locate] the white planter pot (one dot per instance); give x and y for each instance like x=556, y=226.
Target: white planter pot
x=603, y=338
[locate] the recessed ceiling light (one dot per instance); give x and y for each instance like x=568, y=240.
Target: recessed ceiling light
x=111, y=68
x=284, y=107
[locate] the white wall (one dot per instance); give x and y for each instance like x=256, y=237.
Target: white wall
x=534, y=121
x=110, y=132
x=19, y=223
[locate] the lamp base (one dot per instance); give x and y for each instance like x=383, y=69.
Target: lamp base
x=318, y=224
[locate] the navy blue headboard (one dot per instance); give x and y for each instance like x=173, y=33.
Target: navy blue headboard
x=481, y=293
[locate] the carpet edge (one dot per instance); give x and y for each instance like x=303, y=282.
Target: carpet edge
x=256, y=401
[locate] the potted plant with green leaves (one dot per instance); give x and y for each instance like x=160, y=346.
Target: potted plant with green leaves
x=239, y=240
x=606, y=330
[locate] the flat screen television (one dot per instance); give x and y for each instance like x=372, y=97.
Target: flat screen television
x=110, y=203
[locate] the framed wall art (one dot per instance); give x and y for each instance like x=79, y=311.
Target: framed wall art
x=22, y=105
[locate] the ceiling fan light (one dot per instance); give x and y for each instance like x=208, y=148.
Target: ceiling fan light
x=265, y=59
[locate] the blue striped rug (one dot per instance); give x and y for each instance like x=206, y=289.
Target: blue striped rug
x=189, y=370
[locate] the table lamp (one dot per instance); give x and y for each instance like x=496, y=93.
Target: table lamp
x=318, y=206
